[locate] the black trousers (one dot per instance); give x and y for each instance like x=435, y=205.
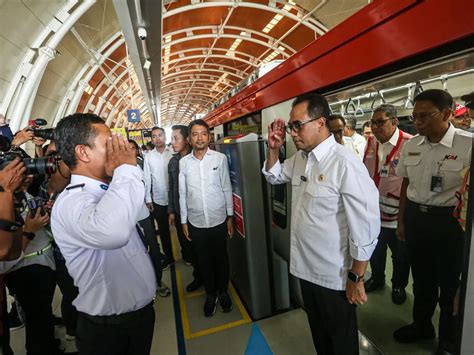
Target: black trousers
x=34, y=286
x=160, y=214
x=187, y=249
x=401, y=265
x=125, y=334
x=332, y=319
x=69, y=292
x=151, y=243
x=211, y=249
x=435, y=244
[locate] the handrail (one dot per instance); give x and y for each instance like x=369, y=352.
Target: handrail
x=417, y=87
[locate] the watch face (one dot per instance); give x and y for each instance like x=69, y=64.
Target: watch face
x=352, y=276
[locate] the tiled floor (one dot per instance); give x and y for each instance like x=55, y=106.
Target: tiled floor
x=286, y=333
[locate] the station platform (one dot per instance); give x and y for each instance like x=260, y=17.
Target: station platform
x=181, y=327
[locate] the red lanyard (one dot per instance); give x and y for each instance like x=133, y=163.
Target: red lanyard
x=389, y=157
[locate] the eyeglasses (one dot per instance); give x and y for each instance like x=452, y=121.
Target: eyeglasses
x=422, y=116
x=297, y=125
x=379, y=123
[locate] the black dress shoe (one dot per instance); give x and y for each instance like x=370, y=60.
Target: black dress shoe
x=412, y=333
x=445, y=348
x=210, y=305
x=371, y=285
x=399, y=295
x=226, y=302
x=193, y=286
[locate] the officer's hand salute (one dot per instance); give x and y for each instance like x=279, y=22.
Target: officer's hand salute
x=119, y=152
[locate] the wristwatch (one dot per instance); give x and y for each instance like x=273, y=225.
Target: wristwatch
x=354, y=277
x=8, y=226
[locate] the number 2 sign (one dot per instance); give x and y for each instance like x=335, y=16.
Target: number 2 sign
x=133, y=115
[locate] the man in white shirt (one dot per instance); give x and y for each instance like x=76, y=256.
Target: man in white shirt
x=381, y=158
x=205, y=200
x=94, y=222
x=337, y=125
x=432, y=166
x=352, y=139
x=156, y=185
x=335, y=222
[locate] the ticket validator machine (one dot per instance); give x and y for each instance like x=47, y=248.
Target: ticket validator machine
x=250, y=249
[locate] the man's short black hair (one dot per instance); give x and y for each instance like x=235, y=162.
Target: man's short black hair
x=182, y=129
x=317, y=105
x=366, y=124
x=468, y=100
x=334, y=118
x=351, y=123
x=439, y=98
x=160, y=128
x=198, y=123
x=74, y=130
x=131, y=141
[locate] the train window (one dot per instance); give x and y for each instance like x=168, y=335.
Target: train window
x=247, y=124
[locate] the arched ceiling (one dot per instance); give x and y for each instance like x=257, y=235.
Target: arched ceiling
x=204, y=49
x=209, y=47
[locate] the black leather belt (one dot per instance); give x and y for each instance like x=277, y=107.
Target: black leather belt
x=119, y=318
x=436, y=210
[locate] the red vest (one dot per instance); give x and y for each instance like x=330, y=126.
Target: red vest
x=389, y=186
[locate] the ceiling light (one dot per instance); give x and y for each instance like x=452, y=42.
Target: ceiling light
x=147, y=65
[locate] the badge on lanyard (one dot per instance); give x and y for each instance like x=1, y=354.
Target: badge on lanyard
x=384, y=171
x=437, y=183
x=437, y=179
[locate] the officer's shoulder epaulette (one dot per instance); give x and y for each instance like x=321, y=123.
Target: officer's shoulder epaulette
x=75, y=187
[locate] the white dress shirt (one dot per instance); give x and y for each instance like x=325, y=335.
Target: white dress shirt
x=421, y=160
x=335, y=214
x=356, y=144
x=156, y=176
x=95, y=228
x=205, y=192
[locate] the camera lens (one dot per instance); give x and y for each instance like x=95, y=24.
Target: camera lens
x=40, y=166
x=47, y=133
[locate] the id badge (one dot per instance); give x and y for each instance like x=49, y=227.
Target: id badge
x=384, y=171
x=437, y=183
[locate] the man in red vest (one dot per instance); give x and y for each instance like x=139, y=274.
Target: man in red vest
x=381, y=158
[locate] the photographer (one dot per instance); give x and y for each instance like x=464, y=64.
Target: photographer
x=32, y=279
x=11, y=178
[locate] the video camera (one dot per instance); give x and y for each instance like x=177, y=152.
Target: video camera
x=45, y=133
x=34, y=166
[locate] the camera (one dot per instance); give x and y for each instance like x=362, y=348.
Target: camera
x=45, y=133
x=34, y=203
x=142, y=33
x=34, y=166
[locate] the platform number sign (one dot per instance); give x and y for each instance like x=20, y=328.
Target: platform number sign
x=133, y=115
